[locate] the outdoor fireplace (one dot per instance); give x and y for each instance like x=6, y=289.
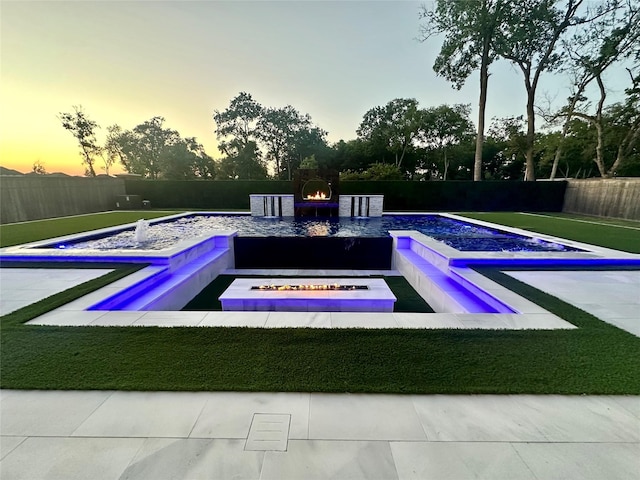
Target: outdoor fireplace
x=316, y=189
x=316, y=193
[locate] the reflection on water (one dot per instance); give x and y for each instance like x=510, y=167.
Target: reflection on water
x=458, y=234
x=318, y=229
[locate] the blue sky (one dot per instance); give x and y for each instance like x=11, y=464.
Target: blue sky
x=125, y=62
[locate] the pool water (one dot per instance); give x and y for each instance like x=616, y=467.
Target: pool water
x=460, y=235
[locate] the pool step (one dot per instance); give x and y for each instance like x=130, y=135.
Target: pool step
x=167, y=290
x=445, y=292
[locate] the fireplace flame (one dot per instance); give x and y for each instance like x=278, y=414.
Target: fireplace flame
x=318, y=196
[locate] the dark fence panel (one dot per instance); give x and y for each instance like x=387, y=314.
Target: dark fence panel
x=398, y=195
x=464, y=195
x=203, y=194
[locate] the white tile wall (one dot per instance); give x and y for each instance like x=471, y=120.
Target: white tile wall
x=257, y=204
x=375, y=205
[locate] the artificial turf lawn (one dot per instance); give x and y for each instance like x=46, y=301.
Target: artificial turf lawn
x=18, y=233
x=620, y=235
x=596, y=358
x=408, y=298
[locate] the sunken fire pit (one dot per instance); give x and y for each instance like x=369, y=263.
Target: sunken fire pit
x=360, y=295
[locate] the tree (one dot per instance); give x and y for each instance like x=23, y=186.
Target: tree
x=470, y=28
x=112, y=152
x=509, y=137
x=529, y=37
x=350, y=155
x=624, y=131
x=236, y=126
x=38, y=168
x=186, y=160
x=308, y=141
x=592, y=51
x=83, y=129
x=246, y=165
x=444, y=127
x=309, y=163
x=599, y=48
x=376, y=171
x=394, y=127
x=275, y=130
x=153, y=151
x=141, y=149
x=288, y=136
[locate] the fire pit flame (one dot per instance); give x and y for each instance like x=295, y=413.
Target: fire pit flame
x=307, y=287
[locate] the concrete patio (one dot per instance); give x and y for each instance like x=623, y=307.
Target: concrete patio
x=224, y=435
x=171, y=435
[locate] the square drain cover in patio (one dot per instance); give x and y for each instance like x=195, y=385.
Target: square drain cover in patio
x=268, y=431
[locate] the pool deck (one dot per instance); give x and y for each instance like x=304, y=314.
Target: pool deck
x=75, y=313
x=170, y=435
x=163, y=435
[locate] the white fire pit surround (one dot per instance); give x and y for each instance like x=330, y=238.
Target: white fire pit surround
x=378, y=297
x=361, y=205
x=271, y=205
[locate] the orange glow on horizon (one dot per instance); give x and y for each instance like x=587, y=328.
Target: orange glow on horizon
x=30, y=130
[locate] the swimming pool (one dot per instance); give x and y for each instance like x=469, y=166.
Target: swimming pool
x=461, y=235
x=442, y=274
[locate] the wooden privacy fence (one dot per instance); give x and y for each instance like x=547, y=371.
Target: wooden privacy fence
x=616, y=197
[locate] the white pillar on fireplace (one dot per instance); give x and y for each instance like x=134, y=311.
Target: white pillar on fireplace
x=271, y=205
x=360, y=205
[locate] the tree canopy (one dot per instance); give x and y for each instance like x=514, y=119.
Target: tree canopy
x=248, y=132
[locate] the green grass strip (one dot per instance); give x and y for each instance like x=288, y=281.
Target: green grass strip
x=595, y=359
x=18, y=233
x=602, y=233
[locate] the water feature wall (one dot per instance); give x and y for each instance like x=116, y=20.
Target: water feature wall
x=271, y=205
x=282, y=205
x=360, y=205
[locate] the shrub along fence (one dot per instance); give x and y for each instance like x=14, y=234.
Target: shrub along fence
x=398, y=195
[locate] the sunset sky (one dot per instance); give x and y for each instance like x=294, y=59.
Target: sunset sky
x=125, y=62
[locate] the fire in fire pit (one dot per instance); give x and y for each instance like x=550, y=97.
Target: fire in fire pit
x=318, y=196
x=307, y=287
x=316, y=189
